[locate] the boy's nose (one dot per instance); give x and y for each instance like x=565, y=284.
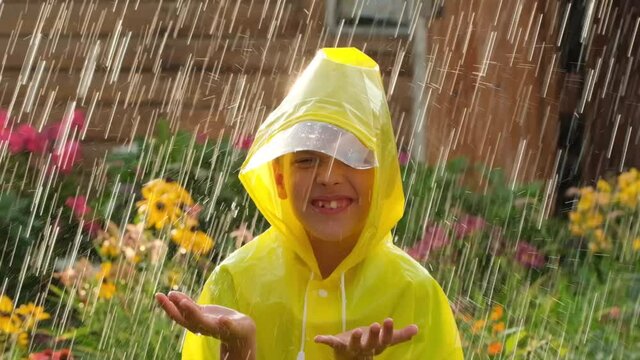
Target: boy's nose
x=329, y=175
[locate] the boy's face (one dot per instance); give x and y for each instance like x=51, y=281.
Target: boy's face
x=330, y=198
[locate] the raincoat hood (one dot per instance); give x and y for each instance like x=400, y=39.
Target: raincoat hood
x=360, y=108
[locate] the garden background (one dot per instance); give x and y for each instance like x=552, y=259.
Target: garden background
x=123, y=124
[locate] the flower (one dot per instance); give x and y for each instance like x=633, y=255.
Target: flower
x=468, y=225
x=242, y=235
x=25, y=137
x=496, y=312
x=92, y=227
x=32, y=314
x=107, y=290
x=435, y=237
x=636, y=244
x=157, y=251
x=62, y=354
x=9, y=324
x=196, y=242
x=162, y=202
x=67, y=156
x=477, y=326
x=528, y=256
x=404, y=158
x=244, y=143
x=498, y=327
x=6, y=305
x=494, y=348
x=78, y=205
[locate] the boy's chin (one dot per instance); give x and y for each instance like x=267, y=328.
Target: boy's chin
x=325, y=236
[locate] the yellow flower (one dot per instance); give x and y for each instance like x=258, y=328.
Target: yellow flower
x=576, y=230
x=158, y=211
x=32, y=314
x=192, y=240
x=636, y=244
x=172, y=190
x=23, y=339
x=603, y=186
x=498, y=327
x=593, y=220
x=494, y=348
x=109, y=248
x=9, y=324
x=6, y=305
x=627, y=178
x=477, y=326
x=496, y=312
x=629, y=195
x=587, y=201
x=107, y=290
x=575, y=217
x=105, y=270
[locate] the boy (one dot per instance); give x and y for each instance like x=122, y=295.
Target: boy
x=323, y=170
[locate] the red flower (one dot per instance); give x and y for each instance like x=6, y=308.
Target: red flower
x=468, y=225
x=54, y=131
x=434, y=238
x=244, y=143
x=63, y=354
x=66, y=157
x=529, y=256
x=78, y=205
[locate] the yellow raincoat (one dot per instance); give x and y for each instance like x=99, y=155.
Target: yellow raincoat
x=275, y=278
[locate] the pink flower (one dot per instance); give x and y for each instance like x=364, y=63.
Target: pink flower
x=54, y=131
x=26, y=138
x=434, y=238
x=529, y=256
x=244, y=143
x=468, y=225
x=66, y=157
x=201, y=137
x=78, y=205
x=92, y=227
x=403, y=158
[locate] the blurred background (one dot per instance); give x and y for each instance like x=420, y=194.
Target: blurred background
x=517, y=127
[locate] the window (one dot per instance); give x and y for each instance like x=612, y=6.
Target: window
x=375, y=17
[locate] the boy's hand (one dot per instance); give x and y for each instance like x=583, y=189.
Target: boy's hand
x=233, y=328
x=365, y=342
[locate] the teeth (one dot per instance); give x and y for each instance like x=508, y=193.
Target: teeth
x=333, y=204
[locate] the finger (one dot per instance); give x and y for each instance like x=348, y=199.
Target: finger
x=387, y=332
x=332, y=341
x=177, y=296
x=405, y=334
x=355, y=341
x=170, y=309
x=197, y=320
x=373, y=338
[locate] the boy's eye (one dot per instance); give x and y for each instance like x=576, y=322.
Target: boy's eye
x=306, y=161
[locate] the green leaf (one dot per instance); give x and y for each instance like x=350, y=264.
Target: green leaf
x=514, y=335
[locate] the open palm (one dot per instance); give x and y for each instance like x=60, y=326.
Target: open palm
x=366, y=341
x=228, y=325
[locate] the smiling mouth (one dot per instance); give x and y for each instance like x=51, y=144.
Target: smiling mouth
x=331, y=206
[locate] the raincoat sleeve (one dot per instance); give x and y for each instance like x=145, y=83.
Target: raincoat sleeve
x=220, y=290
x=442, y=339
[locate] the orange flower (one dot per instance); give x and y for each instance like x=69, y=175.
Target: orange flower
x=494, y=348
x=496, y=312
x=477, y=326
x=498, y=327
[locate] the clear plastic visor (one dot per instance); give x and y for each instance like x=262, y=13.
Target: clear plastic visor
x=316, y=136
